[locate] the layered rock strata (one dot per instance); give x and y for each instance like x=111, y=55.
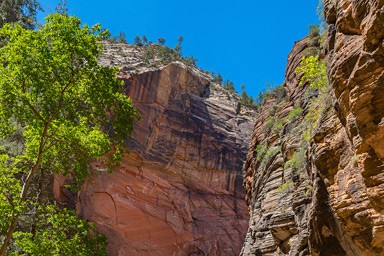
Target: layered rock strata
x=355, y=179
x=320, y=192
x=277, y=174
x=179, y=190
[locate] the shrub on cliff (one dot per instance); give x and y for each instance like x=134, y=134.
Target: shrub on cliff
x=69, y=111
x=313, y=71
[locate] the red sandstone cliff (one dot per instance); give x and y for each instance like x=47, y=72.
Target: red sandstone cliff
x=323, y=194
x=179, y=191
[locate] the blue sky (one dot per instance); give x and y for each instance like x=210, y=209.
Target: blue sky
x=247, y=41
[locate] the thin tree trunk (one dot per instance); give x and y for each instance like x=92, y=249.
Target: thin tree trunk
x=24, y=192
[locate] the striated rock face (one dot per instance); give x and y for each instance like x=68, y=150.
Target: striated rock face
x=355, y=57
x=179, y=191
x=315, y=186
x=277, y=177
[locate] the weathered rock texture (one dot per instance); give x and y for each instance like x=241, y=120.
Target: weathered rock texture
x=330, y=202
x=179, y=191
x=279, y=192
x=355, y=59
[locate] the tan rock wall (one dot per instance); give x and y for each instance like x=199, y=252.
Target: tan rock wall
x=335, y=203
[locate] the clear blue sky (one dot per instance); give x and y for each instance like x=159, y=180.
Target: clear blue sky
x=247, y=41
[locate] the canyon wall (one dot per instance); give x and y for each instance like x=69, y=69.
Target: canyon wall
x=179, y=190
x=314, y=172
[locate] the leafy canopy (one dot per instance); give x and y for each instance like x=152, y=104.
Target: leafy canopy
x=51, y=80
x=68, y=110
x=314, y=72
x=22, y=12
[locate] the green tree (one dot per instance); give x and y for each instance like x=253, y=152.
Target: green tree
x=229, y=85
x=251, y=102
x=219, y=78
x=71, y=111
x=22, y=12
x=244, y=98
x=161, y=41
x=164, y=52
x=138, y=41
x=122, y=37
x=144, y=39
x=190, y=61
x=148, y=55
x=180, y=40
x=177, y=49
x=314, y=30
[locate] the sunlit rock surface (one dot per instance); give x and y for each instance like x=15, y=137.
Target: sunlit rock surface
x=179, y=191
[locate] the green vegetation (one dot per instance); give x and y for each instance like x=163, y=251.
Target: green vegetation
x=297, y=160
x=22, y=12
x=314, y=41
x=137, y=41
x=190, y=61
x=271, y=152
x=148, y=55
x=218, y=78
x=314, y=72
x=297, y=111
x=60, y=233
x=121, y=38
x=277, y=90
x=247, y=100
x=308, y=190
x=161, y=41
x=263, y=153
x=314, y=30
x=268, y=124
x=161, y=52
x=64, y=111
x=286, y=186
x=144, y=40
x=260, y=151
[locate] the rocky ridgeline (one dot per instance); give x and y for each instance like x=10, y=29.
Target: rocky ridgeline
x=179, y=190
x=314, y=172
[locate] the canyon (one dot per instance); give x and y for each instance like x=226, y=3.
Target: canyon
x=331, y=202
x=314, y=157
x=179, y=190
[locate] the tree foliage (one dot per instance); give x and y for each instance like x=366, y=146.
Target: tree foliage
x=161, y=41
x=60, y=232
x=71, y=111
x=314, y=72
x=22, y=12
x=137, y=40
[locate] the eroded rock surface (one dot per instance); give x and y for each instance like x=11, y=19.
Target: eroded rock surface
x=179, y=191
x=277, y=176
x=355, y=57
x=331, y=202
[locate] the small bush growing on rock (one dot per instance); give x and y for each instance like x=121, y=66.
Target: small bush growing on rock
x=285, y=187
x=148, y=55
x=260, y=151
x=190, y=61
x=271, y=152
x=314, y=30
x=314, y=72
x=297, y=160
x=294, y=113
